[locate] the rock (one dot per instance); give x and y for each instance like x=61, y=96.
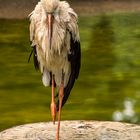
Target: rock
x=74, y=130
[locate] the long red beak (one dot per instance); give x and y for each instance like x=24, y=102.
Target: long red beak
x=50, y=28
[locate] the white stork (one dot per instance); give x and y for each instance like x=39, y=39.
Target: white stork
x=56, y=47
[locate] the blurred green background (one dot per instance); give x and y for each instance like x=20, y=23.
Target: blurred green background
x=108, y=87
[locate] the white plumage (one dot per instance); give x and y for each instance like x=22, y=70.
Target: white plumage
x=55, y=59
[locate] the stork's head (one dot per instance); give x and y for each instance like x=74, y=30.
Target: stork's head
x=50, y=8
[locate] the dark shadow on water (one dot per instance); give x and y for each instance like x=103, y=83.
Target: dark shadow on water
x=99, y=58
x=100, y=52
x=99, y=61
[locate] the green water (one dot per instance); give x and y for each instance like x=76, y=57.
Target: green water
x=109, y=81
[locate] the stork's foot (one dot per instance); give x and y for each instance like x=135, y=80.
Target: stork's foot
x=53, y=111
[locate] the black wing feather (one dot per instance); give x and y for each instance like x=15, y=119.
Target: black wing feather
x=36, y=63
x=75, y=59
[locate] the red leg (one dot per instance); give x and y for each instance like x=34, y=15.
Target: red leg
x=61, y=94
x=53, y=105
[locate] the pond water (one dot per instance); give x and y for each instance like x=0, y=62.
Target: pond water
x=108, y=87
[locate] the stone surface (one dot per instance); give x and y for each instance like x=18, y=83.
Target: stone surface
x=74, y=130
